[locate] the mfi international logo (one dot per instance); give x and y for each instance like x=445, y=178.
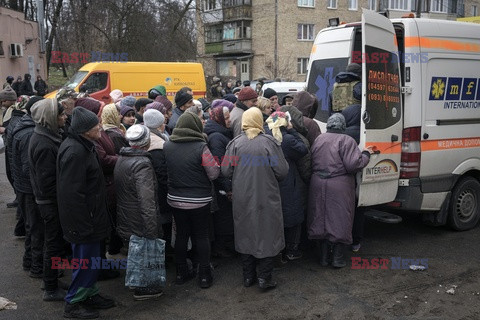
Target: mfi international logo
x=454, y=88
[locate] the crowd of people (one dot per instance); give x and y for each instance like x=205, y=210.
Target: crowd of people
x=24, y=87
x=242, y=175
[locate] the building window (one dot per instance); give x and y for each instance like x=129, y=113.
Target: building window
x=474, y=11
x=233, y=3
x=305, y=32
x=331, y=4
x=302, y=65
x=439, y=6
x=404, y=5
x=2, y=53
x=306, y=3
x=213, y=33
x=352, y=5
x=210, y=5
x=237, y=30
x=372, y=5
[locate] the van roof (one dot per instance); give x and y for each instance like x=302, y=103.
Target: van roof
x=138, y=66
x=285, y=86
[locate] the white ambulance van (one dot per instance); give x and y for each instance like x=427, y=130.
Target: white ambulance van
x=420, y=111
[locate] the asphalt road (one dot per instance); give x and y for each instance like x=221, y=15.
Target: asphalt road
x=305, y=289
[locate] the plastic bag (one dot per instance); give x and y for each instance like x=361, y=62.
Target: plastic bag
x=2, y=145
x=146, y=263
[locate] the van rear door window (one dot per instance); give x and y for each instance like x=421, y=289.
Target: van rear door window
x=322, y=84
x=383, y=108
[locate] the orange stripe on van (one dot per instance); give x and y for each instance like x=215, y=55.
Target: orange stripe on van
x=385, y=147
x=445, y=144
x=453, y=45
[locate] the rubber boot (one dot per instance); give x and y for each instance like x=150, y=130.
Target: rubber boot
x=338, y=255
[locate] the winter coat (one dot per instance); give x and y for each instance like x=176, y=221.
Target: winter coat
x=41, y=87
x=26, y=88
x=42, y=157
x=81, y=193
x=16, y=87
x=292, y=188
x=172, y=122
x=20, y=165
x=159, y=163
x=257, y=205
x=8, y=135
x=304, y=164
x=118, y=139
x=236, y=118
x=352, y=120
x=335, y=159
x=218, y=139
x=308, y=104
x=108, y=158
x=136, y=190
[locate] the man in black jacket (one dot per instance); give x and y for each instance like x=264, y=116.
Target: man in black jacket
x=33, y=258
x=48, y=116
x=83, y=213
x=26, y=86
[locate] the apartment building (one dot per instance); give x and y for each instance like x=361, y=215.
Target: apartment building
x=250, y=39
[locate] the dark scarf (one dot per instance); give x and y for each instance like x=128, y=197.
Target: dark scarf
x=240, y=105
x=189, y=128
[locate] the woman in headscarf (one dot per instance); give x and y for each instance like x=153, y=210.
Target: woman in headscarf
x=191, y=167
x=292, y=186
x=335, y=160
x=256, y=163
x=108, y=156
x=219, y=135
x=112, y=126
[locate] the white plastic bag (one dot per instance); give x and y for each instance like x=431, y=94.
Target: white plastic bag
x=2, y=145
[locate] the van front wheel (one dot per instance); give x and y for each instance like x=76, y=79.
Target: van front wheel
x=465, y=204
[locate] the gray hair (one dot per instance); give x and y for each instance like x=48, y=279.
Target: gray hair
x=196, y=110
x=336, y=122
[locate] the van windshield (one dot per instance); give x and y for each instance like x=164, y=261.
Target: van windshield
x=76, y=79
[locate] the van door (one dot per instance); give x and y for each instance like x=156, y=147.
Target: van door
x=381, y=125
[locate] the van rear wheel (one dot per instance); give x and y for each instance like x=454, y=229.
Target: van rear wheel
x=465, y=204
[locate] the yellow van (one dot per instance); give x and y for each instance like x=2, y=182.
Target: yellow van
x=136, y=78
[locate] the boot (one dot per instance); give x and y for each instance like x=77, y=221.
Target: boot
x=338, y=255
x=205, y=277
x=184, y=274
x=325, y=253
x=266, y=284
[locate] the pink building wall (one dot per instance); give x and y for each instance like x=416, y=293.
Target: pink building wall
x=15, y=29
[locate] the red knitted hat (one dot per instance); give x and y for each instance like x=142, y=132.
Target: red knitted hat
x=247, y=93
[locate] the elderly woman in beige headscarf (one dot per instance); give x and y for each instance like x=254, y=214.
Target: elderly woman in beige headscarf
x=292, y=187
x=112, y=126
x=256, y=163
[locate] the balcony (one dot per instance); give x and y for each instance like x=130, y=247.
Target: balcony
x=212, y=16
x=234, y=46
x=237, y=13
x=214, y=48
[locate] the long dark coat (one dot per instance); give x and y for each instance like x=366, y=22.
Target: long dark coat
x=256, y=166
x=81, y=193
x=292, y=187
x=335, y=159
